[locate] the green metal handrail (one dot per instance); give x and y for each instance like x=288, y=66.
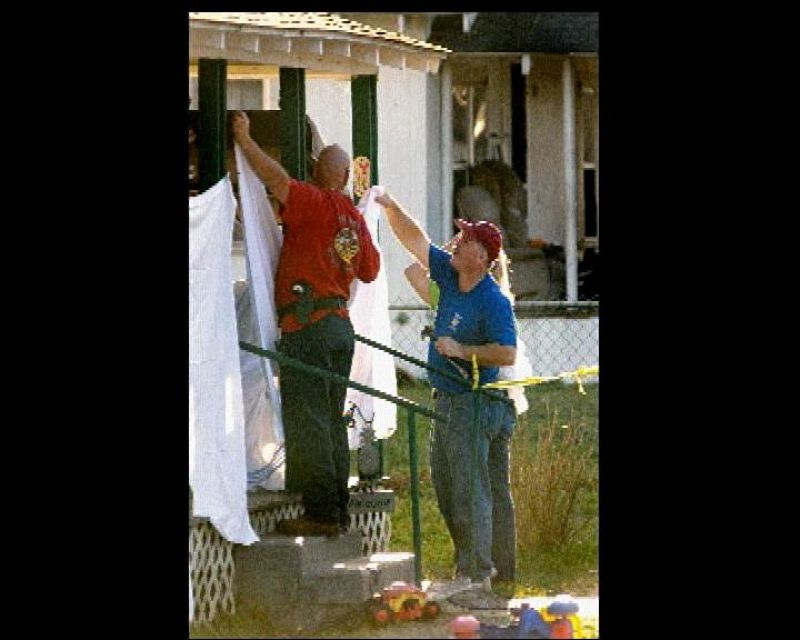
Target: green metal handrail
x=474, y=434
x=413, y=408
x=492, y=393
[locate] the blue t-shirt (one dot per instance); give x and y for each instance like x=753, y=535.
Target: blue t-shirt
x=482, y=315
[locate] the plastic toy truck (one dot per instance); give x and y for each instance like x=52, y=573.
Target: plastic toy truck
x=401, y=601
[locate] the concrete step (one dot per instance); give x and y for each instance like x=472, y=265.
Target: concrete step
x=357, y=579
x=313, y=581
x=296, y=557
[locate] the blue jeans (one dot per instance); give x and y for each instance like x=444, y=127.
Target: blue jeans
x=451, y=457
x=317, y=452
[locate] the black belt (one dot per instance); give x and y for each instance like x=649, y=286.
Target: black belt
x=304, y=308
x=438, y=393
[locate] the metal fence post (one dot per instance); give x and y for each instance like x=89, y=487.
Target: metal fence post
x=473, y=503
x=415, y=520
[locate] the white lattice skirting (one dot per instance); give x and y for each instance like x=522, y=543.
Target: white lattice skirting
x=211, y=556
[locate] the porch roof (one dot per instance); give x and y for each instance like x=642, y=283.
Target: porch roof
x=520, y=32
x=314, y=41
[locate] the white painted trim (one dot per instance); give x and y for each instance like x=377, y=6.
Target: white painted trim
x=245, y=41
x=447, y=149
x=307, y=45
x=570, y=183
x=337, y=48
x=527, y=64
x=365, y=53
x=251, y=71
x=392, y=57
x=206, y=39
x=416, y=62
x=309, y=62
x=467, y=20
x=272, y=44
x=307, y=48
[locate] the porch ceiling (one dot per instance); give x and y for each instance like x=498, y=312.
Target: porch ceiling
x=321, y=42
x=522, y=32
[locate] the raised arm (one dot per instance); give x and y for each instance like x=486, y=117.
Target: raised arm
x=271, y=173
x=418, y=279
x=406, y=229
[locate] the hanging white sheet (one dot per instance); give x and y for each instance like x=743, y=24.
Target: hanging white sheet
x=520, y=369
x=369, y=312
x=258, y=320
x=216, y=422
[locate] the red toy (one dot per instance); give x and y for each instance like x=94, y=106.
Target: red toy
x=465, y=627
x=402, y=601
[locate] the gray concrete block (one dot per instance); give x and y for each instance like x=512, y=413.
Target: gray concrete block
x=393, y=566
x=273, y=568
x=357, y=579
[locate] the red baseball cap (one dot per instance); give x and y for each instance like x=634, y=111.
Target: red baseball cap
x=484, y=232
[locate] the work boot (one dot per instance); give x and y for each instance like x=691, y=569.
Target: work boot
x=306, y=526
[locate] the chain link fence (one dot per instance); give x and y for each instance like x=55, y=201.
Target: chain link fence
x=558, y=336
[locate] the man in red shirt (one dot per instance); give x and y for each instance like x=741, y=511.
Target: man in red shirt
x=326, y=244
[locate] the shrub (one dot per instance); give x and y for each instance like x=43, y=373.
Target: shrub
x=553, y=466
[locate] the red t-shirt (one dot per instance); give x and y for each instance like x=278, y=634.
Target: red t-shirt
x=321, y=230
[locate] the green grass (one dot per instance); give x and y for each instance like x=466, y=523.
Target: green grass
x=541, y=451
x=556, y=532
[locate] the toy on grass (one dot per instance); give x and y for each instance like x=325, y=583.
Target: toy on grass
x=465, y=627
x=558, y=620
x=401, y=601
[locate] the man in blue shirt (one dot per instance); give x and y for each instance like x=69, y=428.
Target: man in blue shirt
x=476, y=320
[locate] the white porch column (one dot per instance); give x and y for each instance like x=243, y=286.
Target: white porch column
x=570, y=184
x=447, y=149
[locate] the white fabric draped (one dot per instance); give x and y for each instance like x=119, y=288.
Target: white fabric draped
x=369, y=312
x=216, y=422
x=258, y=320
x=520, y=369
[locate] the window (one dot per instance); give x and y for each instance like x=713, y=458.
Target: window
x=589, y=211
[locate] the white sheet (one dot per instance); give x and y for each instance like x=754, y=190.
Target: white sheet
x=520, y=369
x=263, y=239
x=265, y=457
x=369, y=312
x=217, y=474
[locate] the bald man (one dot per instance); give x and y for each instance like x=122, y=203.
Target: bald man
x=326, y=244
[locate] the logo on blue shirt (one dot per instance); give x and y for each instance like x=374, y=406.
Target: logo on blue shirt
x=454, y=322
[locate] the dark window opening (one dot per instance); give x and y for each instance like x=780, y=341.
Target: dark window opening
x=519, y=126
x=590, y=204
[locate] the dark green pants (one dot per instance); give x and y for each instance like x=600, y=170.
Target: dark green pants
x=317, y=453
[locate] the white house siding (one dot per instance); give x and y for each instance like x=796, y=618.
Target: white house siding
x=328, y=104
x=434, y=155
x=403, y=162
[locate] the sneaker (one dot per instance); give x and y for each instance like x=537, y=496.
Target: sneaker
x=461, y=580
x=486, y=583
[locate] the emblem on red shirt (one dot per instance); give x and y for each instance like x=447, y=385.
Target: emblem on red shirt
x=346, y=244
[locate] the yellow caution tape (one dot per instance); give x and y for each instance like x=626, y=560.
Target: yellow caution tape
x=580, y=372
